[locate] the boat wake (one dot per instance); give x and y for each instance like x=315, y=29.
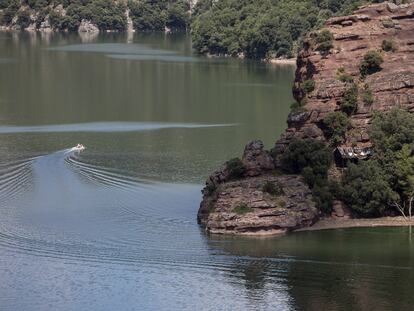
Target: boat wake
x=57, y=205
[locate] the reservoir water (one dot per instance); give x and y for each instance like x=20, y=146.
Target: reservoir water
x=114, y=227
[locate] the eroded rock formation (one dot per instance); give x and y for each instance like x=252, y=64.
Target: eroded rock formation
x=259, y=201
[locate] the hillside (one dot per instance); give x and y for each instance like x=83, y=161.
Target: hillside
x=261, y=29
x=95, y=15
x=350, y=134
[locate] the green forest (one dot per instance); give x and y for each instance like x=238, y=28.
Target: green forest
x=146, y=15
x=256, y=29
x=261, y=28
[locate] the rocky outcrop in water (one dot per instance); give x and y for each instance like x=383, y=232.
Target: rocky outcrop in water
x=248, y=197
x=246, y=205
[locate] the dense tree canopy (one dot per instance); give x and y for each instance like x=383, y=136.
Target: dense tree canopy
x=147, y=15
x=374, y=186
x=312, y=159
x=366, y=188
x=260, y=28
x=150, y=15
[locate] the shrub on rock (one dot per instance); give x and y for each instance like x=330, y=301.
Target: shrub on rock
x=335, y=125
x=349, y=101
x=324, y=41
x=235, y=168
x=273, y=188
x=388, y=46
x=371, y=63
x=308, y=86
x=242, y=209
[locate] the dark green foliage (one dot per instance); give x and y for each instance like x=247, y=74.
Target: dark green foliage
x=366, y=189
x=302, y=153
x=349, y=101
x=324, y=41
x=23, y=19
x=9, y=13
x=390, y=131
x=38, y=4
x=210, y=188
x=335, y=125
x=155, y=15
x=312, y=159
x=308, y=86
x=343, y=76
x=55, y=20
x=323, y=193
x=235, y=168
x=242, y=209
x=4, y=4
x=107, y=15
x=371, y=63
x=388, y=46
x=41, y=16
x=178, y=16
x=373, y=187
x=148, y=16
x=261, y=28
x=298, y=106
x=366, y=95
x=273, y=188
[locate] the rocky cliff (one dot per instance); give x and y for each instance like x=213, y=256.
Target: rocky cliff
x=248, y=202
x=353, y=37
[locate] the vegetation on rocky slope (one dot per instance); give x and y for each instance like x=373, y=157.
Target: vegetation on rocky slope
x=147, y=15
x=262, y=28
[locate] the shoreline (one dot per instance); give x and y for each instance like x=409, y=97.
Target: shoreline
x=282, y=61
x=324, y=224
x=330, y=223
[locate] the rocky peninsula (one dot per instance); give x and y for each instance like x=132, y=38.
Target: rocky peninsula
x=338, y=90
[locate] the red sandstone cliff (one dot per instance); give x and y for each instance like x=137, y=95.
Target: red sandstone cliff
x=355, y=35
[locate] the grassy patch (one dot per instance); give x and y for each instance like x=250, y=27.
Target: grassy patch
x=343, y=76
x=273, y=188
x=388, y=46
x=308, y=86
x=242, y=209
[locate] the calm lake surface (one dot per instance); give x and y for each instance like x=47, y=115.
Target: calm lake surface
x=114, y=227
